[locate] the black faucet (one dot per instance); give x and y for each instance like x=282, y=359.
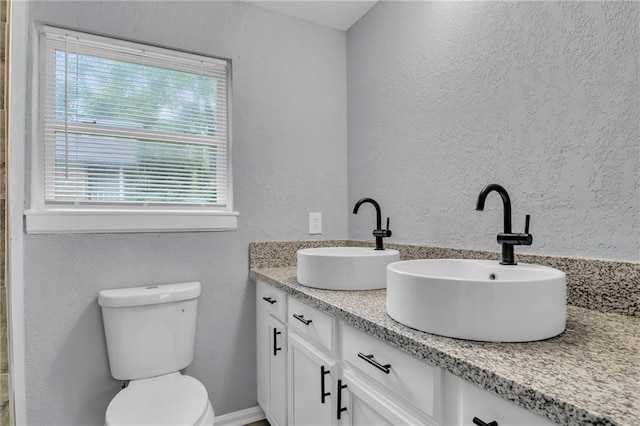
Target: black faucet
x=508, y=239
x=379, y=233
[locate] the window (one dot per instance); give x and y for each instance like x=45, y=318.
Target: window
x=131, y=138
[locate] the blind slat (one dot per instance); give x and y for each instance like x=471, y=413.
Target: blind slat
x=98, y=131
x=109, y=174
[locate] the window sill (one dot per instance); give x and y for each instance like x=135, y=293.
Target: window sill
x=66, y=221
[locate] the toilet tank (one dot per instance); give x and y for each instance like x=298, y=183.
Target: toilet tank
x=149, y=330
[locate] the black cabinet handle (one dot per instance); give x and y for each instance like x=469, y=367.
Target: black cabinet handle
x=275, y=344
x=340, y=407
x=269, y=300
x=323, y=394
x=369, y=358
x=479, y=422
x=302, y=319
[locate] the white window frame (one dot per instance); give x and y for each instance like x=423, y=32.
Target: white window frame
x=45, y=218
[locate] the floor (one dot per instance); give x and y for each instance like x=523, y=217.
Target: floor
x=260, y=423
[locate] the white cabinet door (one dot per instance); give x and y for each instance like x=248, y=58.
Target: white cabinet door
x=311, y=384
x=262, y=355
x=361, y=403
x=277, y=396
x=271, y=367
x=465, y=401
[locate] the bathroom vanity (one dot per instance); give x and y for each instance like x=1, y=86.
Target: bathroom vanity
x=336, y=358
x=314, y=368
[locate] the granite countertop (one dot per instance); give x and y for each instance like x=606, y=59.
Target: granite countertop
x=590, y=374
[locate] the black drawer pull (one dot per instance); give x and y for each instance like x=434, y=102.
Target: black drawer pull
x=479, y=422
x=369, y=358
x=302, y=319
x=275, y=344
x=323, y=394
x=270, y=300
x=339, y=405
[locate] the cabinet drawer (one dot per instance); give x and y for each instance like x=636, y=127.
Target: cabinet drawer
x=271, y=300
x=410, y=378
x=311, y=323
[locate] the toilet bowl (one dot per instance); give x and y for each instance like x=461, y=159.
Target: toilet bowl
x=172, y=399
x=150, y=336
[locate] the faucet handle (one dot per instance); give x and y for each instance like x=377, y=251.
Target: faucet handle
x=517, y=239
x=383, y=232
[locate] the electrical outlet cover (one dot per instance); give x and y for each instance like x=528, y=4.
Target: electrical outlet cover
x=315, y=223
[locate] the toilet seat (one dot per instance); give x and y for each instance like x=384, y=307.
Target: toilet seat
x=173, y=400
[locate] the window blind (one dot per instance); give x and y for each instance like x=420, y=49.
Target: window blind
x=132, y=124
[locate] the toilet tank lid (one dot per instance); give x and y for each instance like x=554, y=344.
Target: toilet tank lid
x=148, y=295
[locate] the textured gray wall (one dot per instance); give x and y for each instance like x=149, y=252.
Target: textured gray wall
x=289, y=158
x=542, y=97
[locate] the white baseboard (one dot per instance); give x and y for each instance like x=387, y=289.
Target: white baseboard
x=240, y=418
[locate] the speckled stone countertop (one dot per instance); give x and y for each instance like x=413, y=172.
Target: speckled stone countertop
x=603, y=285
x=589, y=375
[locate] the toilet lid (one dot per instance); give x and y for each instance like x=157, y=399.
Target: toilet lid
x=177, y=400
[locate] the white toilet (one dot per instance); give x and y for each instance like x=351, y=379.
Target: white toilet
x=150, y=334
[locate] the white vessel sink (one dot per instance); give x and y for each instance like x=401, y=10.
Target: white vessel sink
x=345, y=268
x=478, y=299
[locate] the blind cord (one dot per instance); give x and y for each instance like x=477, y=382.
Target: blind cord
x=66, y=107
